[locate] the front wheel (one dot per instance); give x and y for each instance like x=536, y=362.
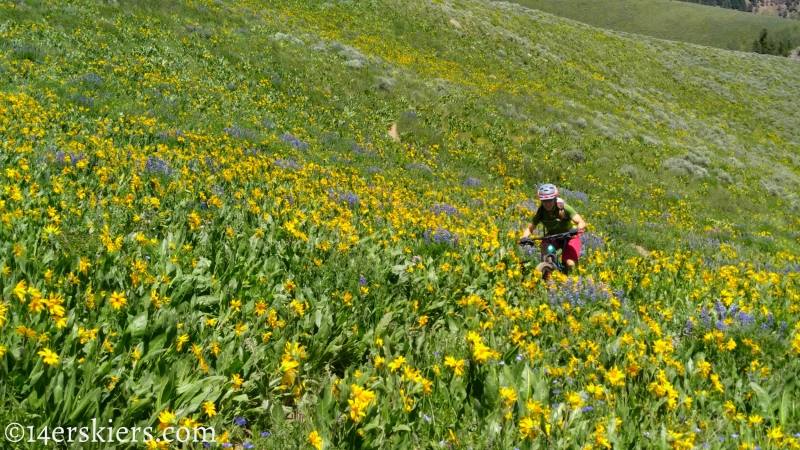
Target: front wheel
x=546, y=268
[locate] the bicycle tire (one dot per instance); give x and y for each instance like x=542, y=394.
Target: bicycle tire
x=546, y=268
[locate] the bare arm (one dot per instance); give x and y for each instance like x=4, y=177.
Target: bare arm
x=579, y=221
x=527, y=231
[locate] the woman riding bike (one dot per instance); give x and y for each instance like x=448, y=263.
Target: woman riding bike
x=557, y=217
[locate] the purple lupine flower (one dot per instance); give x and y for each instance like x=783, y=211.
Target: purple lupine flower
x=240, y=421
x=746, y=319
x=358, y=149
x=530, y=205
x=238, y=132
x=440, y=236
x=770, y=320
x=444, y=208
x=83, y=100
x=373, y=169
x=362, y=281
x=587, y=409
x=471, y=182
x=156, y=165
x=689, y=326
x=293, y=141
x=593, y=242
x=328, y=137
x=91, y=78
x=720, y=309
x=414, y=166
x=705, y=317
x=288, y=164
x=347, y=197
x=212, y=164
x=575, y=194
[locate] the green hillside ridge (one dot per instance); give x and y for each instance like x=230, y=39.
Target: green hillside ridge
x=674, y=20
x=204, y=218
x=788, y=9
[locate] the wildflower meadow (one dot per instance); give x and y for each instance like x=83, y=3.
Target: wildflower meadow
x=205, y=221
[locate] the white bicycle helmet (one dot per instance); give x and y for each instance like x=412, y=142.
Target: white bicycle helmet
x=547, y=191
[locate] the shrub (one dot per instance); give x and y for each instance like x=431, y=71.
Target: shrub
x=354, y=63
x=200, y=31
x=724, y=177
x=507, y=110
x=601, y=161
x=699, y=158
x=560, y=127
x=385, y=84
x=771, y=187
x=683, y=167
x=652, y=141
x=628, y=170
x=735, y=163
x=536, y=129
x=575, y=155
x=287, y=38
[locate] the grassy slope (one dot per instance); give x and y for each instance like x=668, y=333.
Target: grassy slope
x=673, y=20
x=501, y=97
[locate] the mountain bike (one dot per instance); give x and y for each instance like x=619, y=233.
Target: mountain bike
x=550, y=259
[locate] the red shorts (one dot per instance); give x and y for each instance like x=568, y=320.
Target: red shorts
x=571, y=251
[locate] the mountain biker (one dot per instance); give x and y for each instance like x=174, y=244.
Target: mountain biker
x=557, y=217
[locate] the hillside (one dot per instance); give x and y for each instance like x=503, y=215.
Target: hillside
x=204, y=220
x=673, y=20
x=788, y=9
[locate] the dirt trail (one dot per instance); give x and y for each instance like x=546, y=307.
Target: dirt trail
x=393, y=132
x=642, y=251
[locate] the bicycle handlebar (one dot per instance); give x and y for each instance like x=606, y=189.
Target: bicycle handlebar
x=531, y=240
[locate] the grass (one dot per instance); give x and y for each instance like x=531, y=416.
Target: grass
x=203, y=219
x=673, y=20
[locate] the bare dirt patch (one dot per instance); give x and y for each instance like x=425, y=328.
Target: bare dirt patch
x=393, y=132
x=642, y=251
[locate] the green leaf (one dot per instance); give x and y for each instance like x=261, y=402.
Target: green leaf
x=763, y=400
x=87, y=400
x=138, y=326
x=783, y=415
x=383, y=323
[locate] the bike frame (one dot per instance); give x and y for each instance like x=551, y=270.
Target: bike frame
x=550, y=259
